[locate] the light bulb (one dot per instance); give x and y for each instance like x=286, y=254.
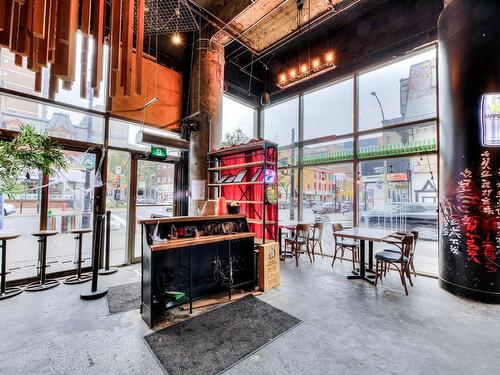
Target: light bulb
x=316, y=63
x=329, y=57
x=303, y=68
x=293, y=73
x=176, y=38
x=282, y=77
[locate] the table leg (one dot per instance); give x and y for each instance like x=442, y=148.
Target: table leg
x=4, y=268
x=370, y=257
x=361, y=275
x=280, y=236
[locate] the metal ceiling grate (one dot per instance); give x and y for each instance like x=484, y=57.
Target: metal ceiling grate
x=161, y=17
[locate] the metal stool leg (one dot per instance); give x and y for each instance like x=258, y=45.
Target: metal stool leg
x=43, y=284
x=4, y=291
x=79, y=278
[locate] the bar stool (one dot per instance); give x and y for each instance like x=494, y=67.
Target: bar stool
x=79, y=278
x=4, y=291
x=43, y=284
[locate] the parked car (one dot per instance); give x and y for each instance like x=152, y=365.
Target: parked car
x=8, y=209
x=324, y=208
x=413, y=213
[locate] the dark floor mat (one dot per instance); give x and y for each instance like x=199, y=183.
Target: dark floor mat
x=124, y=297
x=217, y=340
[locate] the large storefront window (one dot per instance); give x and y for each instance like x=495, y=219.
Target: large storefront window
x=281, y=122
x=288, y=191
x=398, y=92
x=22, y=80
x=401, y=194
x=237, y=122
x=329, y=111
x=395, y=184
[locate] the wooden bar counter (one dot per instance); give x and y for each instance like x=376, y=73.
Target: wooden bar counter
x=198, y=256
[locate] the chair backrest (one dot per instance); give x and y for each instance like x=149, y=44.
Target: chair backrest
x=336, y=227
x=415, y=238
x=317, y=228
x=407, y=245
x=302, y=231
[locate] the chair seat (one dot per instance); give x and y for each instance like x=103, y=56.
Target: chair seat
x=345, y=243
x=300, y=240
x=390, y=256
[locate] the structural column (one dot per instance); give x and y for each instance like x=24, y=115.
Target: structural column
x=207, y=82
x=469, y=110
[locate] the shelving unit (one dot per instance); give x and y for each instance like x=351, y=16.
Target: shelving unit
x=262, y=216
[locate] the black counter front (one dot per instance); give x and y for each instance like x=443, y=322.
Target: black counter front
x=198, y=266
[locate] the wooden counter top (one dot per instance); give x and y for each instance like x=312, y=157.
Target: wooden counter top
x=181, y=219
x=183, y=242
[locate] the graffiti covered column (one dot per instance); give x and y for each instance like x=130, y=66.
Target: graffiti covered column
x=469, y=99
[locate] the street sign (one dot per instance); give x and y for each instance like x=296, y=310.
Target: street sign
x=159, y=152
x=88, y=161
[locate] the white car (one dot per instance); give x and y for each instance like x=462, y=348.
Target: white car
x=8, y=209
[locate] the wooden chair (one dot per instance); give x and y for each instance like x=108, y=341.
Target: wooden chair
x=400, y=260
x=298, y=239
x=342, y=245
x=400, y=235
x=315, y=238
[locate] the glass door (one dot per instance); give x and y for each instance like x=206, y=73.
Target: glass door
x=154, y=195
x=71, y=204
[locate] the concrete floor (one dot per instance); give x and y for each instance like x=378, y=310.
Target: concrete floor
x=349, y=328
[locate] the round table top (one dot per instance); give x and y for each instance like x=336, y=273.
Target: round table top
x=45, y=233
x=4, y=236
x=81, y=230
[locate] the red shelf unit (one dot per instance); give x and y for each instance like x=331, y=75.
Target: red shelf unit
x=262, y=216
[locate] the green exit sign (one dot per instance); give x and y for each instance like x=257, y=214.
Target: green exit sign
x=159, y=152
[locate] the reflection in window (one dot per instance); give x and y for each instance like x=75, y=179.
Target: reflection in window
x=329, y=111
x=123, y=134
x=56, y=121
x=237, y=122
x=328, y=152
x=398, y=141
x=400, y=92
x=281, y=122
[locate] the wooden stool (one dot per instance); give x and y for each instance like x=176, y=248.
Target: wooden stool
x=4, y=291
x=43, y=284
x=79, y=278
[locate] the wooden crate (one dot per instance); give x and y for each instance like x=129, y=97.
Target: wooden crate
x=269, y=266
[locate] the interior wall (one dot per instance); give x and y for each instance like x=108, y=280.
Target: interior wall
x=158, y=81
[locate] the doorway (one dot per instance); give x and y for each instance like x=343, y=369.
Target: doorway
x=151, y=193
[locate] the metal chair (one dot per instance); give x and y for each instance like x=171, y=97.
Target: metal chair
x=342, y=245
x=298, y=239
x=399, y=260
x=315, y=238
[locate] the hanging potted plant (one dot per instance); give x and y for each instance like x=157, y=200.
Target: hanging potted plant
x=28, y=150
